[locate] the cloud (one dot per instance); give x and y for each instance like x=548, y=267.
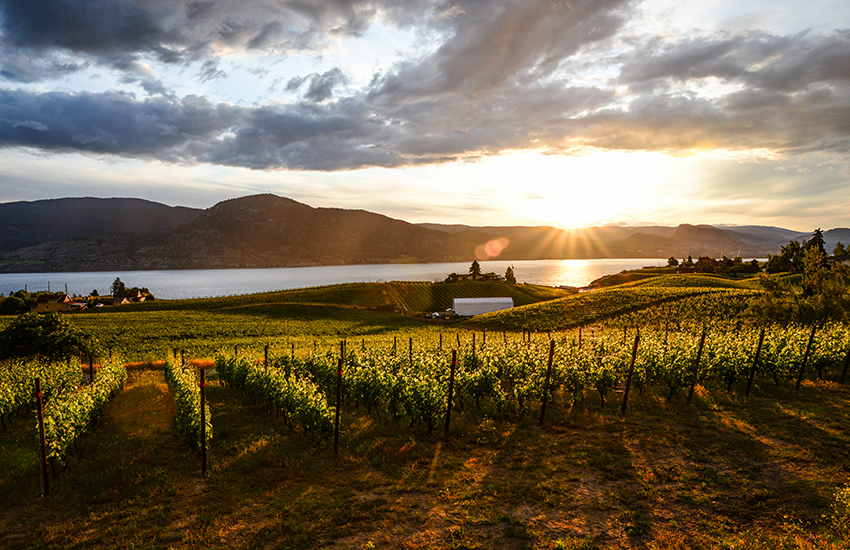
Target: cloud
x=179, y=29
x=321, y=86
x=498, y=75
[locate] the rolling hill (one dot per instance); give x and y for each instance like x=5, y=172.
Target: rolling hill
x=91, y=234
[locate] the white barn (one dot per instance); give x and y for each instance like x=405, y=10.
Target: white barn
x=465, y=307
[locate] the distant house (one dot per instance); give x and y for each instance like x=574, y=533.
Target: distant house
x=466, y=307
x=47, y=303
x=455, y=277
x=841, y=259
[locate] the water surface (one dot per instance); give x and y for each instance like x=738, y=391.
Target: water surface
x=202, y=283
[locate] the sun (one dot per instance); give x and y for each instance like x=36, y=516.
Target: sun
x=590, y=189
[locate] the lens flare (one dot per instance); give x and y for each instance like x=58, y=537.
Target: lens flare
x=491, y=249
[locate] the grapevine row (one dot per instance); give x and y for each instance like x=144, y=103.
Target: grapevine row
x=508, y=376
x=184, y=385
x=17, y=379
x=69, y=415
x=297, y=397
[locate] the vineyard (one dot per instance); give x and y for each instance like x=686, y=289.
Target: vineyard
x=653, y=414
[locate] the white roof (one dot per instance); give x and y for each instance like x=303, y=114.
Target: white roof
x=477, y=306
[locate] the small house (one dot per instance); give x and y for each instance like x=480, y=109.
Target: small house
x=466, y=307
x=47, y=303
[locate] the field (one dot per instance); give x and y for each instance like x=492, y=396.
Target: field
x=720, y=470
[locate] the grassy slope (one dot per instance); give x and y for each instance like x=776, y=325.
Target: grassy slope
x=360, y=311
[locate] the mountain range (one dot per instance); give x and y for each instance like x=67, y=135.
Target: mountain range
x=95, y=234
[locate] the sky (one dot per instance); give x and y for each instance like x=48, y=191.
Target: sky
x=483, y=112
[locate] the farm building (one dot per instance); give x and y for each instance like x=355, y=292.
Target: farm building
x=52, y=302
x=465, y=307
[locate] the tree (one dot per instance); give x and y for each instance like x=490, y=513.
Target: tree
x=817, y=241
x=48, y=335
x=118, y=289
x=12, y=306
x=790, y=258
x=824, y=294
x=840, y=250
x=509, y=275
x=475, y=269
x=672, y=262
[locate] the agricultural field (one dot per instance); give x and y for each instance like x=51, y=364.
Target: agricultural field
x=655, y=414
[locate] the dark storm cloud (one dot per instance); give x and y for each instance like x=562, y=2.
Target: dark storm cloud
x=503, y=74
x=110, y=122
x=175, y=29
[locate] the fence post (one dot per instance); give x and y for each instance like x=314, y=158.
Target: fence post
x=696, y=367
x=806, y=357
x=338, y=403
x=44, y=474
x=203, y=424
x=548, y=377
x=451, y=391
x=631, y=372
x=755, y=365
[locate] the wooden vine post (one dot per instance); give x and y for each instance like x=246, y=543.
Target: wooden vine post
x=755, y=365
x=631, y=372
x=266, y=356
x=203, y=424
x=91, y=369
x=410, y=352
x=451, y=391
x=805, y=357
x=548, y=378
x=846, y=364
x=338, y=404
x=45, y=477
x=696, y=366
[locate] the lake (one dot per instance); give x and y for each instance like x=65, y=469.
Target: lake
x=202, y=283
